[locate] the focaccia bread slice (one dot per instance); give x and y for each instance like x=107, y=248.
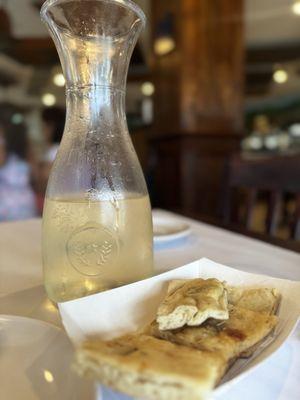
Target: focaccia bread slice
x=260, y=299
x=235, y=337
x=149, y=368
x=191, y=302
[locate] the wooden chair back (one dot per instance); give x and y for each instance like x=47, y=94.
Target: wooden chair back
x=275, y=175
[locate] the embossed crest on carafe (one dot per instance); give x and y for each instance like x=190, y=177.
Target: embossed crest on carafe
x=97, y=224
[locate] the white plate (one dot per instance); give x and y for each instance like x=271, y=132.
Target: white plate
x=35, y=362
x=166, y=229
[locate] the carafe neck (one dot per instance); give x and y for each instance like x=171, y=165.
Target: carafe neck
x=95, y=108
x=95, y=39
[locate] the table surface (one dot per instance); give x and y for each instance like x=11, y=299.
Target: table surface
x=22, y=292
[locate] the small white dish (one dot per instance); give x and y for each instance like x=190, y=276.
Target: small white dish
x=35, y=362
x=167, y=229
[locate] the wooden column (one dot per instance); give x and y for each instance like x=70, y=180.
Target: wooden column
x=198, y=113
x=200, y=83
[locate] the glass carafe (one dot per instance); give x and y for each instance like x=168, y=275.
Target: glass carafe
x=97, y=224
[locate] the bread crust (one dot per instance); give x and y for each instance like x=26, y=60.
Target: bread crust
x=192, y=302
x=149, y=368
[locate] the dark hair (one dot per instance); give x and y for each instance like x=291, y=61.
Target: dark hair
x=55, y=117
x=15, y=135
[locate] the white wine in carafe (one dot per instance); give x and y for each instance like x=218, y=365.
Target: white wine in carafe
x=91, y=246
x=97, y=222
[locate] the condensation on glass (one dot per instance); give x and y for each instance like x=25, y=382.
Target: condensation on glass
x=97, y=224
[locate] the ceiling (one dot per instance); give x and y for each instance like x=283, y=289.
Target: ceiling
x=272, y=33
x=267, y=21
x=25, y=19
x=270, y=22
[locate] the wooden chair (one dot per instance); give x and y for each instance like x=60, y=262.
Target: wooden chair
x=275, y=175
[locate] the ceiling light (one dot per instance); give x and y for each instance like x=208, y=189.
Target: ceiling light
x=59, y=80
x=48, y=99
x=164, y=33
x=296, y=8
x=280, y=76
x=164, y=45
x=48, y=376
x=147, y=89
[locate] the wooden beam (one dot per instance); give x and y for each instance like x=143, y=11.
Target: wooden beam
x=34, y=51
x=273, y=54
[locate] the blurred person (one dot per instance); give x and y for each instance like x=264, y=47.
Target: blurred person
x=53, y=127
x=17, y=199
x=53, y=119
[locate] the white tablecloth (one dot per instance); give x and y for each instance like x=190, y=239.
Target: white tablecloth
x=22, y=293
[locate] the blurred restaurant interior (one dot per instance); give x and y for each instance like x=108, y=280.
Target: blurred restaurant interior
x=213, y=108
